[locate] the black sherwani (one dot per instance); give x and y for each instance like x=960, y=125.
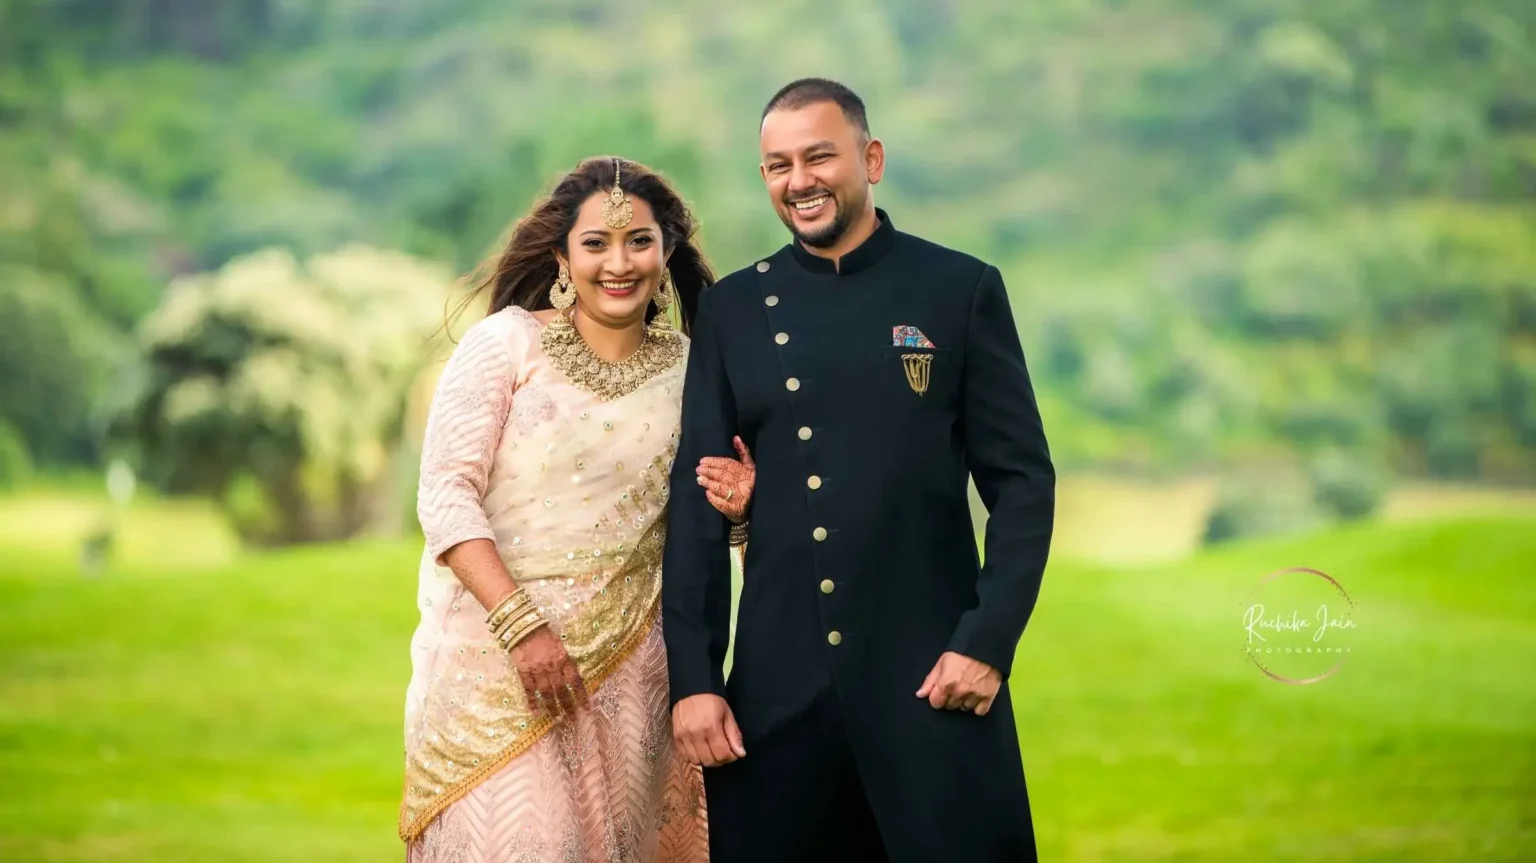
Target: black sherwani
x=862, y=567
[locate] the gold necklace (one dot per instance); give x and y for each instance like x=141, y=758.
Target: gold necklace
x=571, y=354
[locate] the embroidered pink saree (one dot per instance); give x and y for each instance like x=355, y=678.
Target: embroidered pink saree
x=572, y=490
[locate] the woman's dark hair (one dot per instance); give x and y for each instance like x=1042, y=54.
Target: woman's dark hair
x=523, y=272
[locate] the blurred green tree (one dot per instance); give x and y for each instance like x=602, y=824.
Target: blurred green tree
x=57, y=360
x=279, y=386
x=1262, y=501
x=1348, y=484
x=15, y=463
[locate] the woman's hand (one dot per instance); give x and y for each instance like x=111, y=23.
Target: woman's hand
x=550, y=679
x=728, y=483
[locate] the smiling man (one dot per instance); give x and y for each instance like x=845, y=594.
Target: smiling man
x=867, y=716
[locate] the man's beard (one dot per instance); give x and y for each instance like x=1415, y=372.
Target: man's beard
x=824, y=237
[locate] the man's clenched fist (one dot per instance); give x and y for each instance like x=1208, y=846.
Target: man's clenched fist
x=705, y=731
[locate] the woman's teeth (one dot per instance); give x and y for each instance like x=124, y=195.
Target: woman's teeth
x=620, y=287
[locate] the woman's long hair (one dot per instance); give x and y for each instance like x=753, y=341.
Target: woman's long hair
x=524, y=271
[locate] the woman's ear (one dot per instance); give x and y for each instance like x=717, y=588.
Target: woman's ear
x=561, y=261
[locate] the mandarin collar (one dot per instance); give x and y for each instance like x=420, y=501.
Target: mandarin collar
x=861, y=258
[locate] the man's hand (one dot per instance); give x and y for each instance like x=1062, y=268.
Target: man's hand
x=705, y=731
x=961, y=683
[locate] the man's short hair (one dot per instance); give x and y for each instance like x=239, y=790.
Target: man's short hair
x=809, y=91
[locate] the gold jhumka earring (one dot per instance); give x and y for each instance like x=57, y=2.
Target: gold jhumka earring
x=562, y=294
x=661, y=325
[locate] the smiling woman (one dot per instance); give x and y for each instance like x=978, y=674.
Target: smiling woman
x=537, y=725
x=578, y=228
x=617, y=261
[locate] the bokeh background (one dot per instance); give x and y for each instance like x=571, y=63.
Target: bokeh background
x=1273, y=263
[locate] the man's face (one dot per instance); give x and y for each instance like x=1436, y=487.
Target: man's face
x=818, y=169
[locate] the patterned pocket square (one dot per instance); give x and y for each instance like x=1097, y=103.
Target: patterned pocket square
x=909, y=337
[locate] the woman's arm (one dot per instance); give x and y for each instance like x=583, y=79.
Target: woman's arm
x=464, y=428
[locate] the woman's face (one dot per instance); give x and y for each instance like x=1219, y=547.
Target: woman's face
x=616, y=271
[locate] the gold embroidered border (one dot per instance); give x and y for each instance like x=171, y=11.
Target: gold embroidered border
x=593, y=663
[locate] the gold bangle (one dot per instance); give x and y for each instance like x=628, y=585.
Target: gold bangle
x=518, y=619
x=739, y=533
x=511, y=616
x=507, y=614
x=527, y=627
x=507, y=608
x=515, y=624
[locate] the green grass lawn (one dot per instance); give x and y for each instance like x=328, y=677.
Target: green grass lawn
x=250, y=709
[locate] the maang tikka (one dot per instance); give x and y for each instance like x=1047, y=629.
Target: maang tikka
x=617, y=211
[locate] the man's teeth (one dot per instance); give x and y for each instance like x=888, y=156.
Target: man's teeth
x=619, y=286
x=811, y=204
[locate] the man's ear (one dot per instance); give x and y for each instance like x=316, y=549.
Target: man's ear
x=874, y=160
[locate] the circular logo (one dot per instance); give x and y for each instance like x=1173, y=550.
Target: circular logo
x=1299, y=625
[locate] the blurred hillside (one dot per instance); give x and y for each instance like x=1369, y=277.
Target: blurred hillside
x=1249, y=231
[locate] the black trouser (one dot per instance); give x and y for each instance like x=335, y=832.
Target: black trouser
x=795, y=798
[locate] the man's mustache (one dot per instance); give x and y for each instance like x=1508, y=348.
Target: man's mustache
x=807, y=196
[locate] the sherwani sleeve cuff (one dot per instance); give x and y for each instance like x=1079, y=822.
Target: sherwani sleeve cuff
x=975, y=639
